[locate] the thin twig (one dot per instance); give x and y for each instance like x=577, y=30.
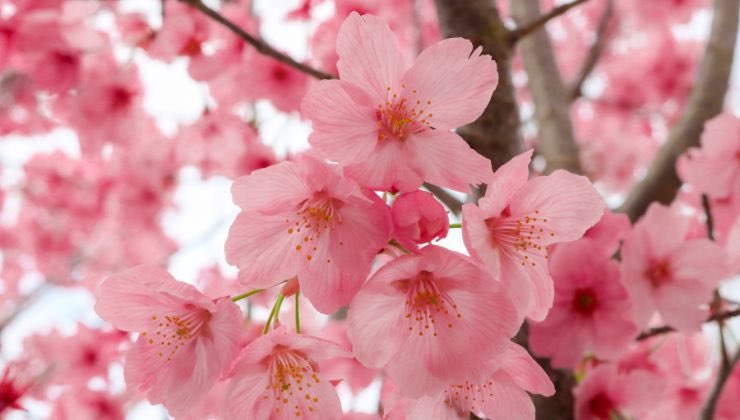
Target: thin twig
x=720, y=316
x=708, y=214
x=594, y=53
x=707, y=412
x=533, y=26
x=716, y=304
x=258, y=43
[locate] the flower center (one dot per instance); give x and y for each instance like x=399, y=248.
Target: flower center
x=527, y=235
x=658, y=273
x=401, y=115
x=601, y=406
x=585, y=302
x=172, y=331
x=290, y=383
x=468, y=398
x=315, y=216
x=426, y=303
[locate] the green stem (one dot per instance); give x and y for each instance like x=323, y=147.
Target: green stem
x=455, y=225
x=397, y=245
x=274, y=312
x=297, y=314
x=246, y=295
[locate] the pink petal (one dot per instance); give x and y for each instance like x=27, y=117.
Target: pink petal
x=270, y=188
x=477, y=239
x=128, y=299
x=568, y=202
x=374, y=323
x=508, y=402
x=447, y=160
x=530, y=285
x=456, y=80
x=369, y=56
x=392, y=166
x=506, y=181
x=525, y=372
x=257, y=237
x=344, y=130
x=662, y=229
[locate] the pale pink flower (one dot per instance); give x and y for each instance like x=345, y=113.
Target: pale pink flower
x=664, y=272
x=589, y=315
x=306, y=219
x=714, y=169
x=431, y=319
x=392, y=124
x=512, y=226
x=502, y=396
x=84, y=404
x=418, y=218
x=607, y=393
x=277, y=377
x=685, y=367
x=187, y=340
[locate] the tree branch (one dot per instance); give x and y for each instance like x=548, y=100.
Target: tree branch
x=446, y=198
x=258, y=43
x=496, y=134
x=706, y=101
x=721, y=316
x=594, y=53
x=557, y=142
x=536, y=23
x=724, y=374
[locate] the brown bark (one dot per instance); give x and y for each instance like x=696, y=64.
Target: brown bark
x=550, y=96
x=706, y=101
x=496, y=134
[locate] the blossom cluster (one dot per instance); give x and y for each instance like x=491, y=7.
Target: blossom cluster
x=345, y=280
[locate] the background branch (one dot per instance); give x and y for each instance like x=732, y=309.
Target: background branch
x=257, y=42
x=535, y=23
x=722, y=377
x=706, y=101
x=496, y=134
x=594, y=53
x=557, y=142
x=721, y=316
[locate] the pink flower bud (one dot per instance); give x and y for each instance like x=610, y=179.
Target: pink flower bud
x=418, y=218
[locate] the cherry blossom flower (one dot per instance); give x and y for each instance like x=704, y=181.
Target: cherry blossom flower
x=391, y=124
x=431, y=320
x=84, y=404
x=186, y=340
x=277, y=377
x=714, y=169
x=606, y=393
x=589, y=316
x=503, y=395
x=305, y=219
x=663, y=272
x=512, y=226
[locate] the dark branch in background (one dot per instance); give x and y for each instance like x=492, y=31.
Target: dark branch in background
x=706, y=101
x=446, y=198
x=726, y=365
x=721, y=316
x=594, y=53
x=496, y=134
x=710, y=407
x=259, y=44
x=535, y=24
x=555, y=132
